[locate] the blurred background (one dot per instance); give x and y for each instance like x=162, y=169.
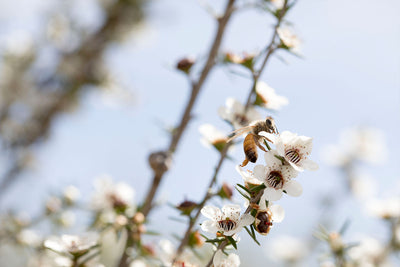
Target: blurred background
x=70, y=111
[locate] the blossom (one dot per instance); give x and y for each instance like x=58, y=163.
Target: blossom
x=278, y=4
x=112, y=246
x=248, y=176
x=294, y=149
x=266, y=97
x=228, y=221
x=71, y=194
x=211, y=136
x=368, y=252
x=234, y=113
x=166, y=253
x=277, y=178
x=289, y=39
x=71, y=244
x=287, y=248
x=110, y=196
x=384, y=208
x=363, y=144
x=220, y=260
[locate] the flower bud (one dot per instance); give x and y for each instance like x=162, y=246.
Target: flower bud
x=138, y=218
x=226, y=191
x=160, y=161
x=185, y=64
x=53, y=205
x=336, y=243
x=186, y=207
x=71, y=195
x=195, y=239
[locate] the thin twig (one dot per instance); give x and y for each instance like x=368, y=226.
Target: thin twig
x=270, y=50
x=196, y=87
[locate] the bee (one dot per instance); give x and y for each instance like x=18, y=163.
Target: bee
x=252, y=139
x=263, y=221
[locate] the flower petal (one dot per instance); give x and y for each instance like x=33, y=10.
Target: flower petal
x=246, y=219
x=218, y=258
x=272, y=194
x=278, y=213
x=293, y=188
x=231, y=211
x=259, y=172
x=211, y=212
x=310, y=165
x=210, y=226
x=270, y=136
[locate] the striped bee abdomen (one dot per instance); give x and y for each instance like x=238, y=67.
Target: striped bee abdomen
x=250, y=148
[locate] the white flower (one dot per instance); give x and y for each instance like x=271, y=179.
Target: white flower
x=211, y=136
x=384, y=208
x=367, y=252
x=112, y=246
x=294, y=149
x=289, y=39
x=71, y=244
x=362, y=185
x=29, y=238
x=248, y=176
x=277, y=178
x=269, y=99
x=108, y=195
x=220, y=260
x=71, y=194
x=228, y=221
x=364, y=144
x=287, y=248
x=166, y=253
x=278, y=4
x=233, y=112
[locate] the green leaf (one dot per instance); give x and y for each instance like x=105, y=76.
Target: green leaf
x=244, y=188
x=258, y=188
x=232, y=241
x=243, y=194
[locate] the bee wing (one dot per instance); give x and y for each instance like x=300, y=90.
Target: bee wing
x=239, y=132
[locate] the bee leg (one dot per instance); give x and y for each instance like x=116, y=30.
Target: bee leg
x=244, y=163
x=259, y=145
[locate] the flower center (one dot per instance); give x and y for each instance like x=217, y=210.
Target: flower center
x=293, y=156
x=242, y=119
x=275, y=179
x=227, y=224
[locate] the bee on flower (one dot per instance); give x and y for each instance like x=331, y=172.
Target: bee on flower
x=226, y=221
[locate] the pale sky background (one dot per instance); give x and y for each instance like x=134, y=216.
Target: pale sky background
x=350, y=75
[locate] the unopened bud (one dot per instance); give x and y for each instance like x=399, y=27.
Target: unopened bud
x=336, y=243
x=120, y=221
x=138, y=218
x=187, y=207
x=195, y=239
x=245, y=60
x=148, y=250
x=53, y=205
x=185, y=64
x=226, y=191
x=160, y=161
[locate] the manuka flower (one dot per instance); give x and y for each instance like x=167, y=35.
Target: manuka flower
x=71, y=245
x=288, y=39
x=277, y=178
x=212, y=136
x=266, y=97
x=294, y=149
x=220, y=260
x=234, y=113
x=228, y=221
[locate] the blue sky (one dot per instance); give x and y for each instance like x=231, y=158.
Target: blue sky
x=350, y=75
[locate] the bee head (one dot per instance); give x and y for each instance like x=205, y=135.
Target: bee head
x=271, y=124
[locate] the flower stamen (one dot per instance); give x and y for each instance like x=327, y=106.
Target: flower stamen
x=293, y=156
x=275, y=179
x=227, y=224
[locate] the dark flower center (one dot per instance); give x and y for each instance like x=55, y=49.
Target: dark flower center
x=227, y=224
x=293, y=156
x=242, y=119
x=275, y=179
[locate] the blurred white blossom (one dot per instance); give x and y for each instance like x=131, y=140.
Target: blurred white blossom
x=287, y=249
x=220, y=260
x=289, y=39
x=268, y=98
x=71, y=244
x=211, y=136
x=234, y=113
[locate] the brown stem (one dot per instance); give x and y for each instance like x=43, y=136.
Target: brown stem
x=196, y=87
x=270, y=50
